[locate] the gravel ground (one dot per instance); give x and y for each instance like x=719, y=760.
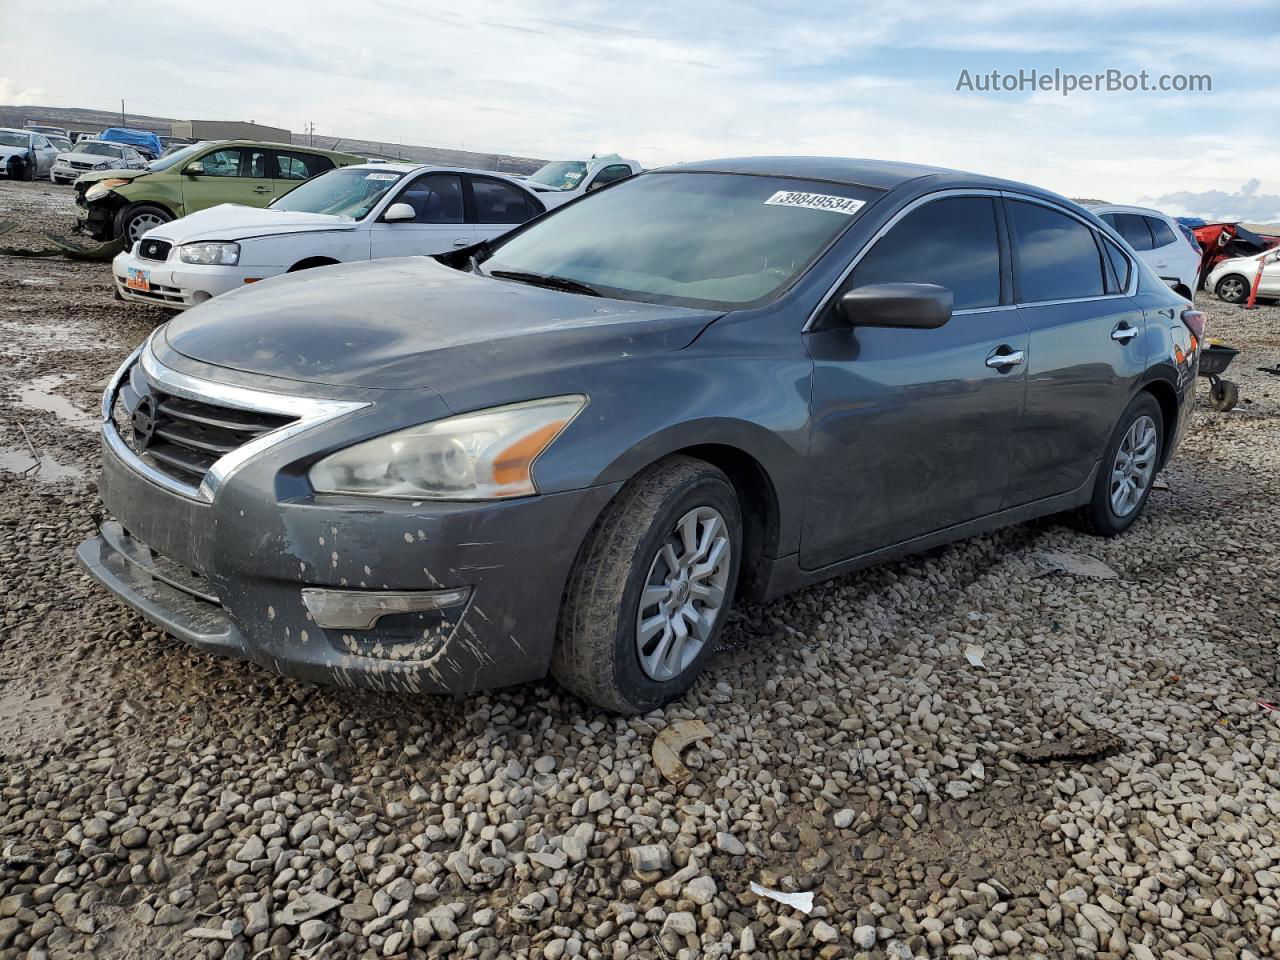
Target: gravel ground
x=1102, y=782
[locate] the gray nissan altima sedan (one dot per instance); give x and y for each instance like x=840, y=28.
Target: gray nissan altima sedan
x=571, y=449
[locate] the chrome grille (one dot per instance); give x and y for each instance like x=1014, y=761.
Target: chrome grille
x=181, y=437
x=151, y=249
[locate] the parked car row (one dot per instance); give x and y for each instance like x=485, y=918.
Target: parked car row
x=573, y=447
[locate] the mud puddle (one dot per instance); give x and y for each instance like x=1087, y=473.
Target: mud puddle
x=50, y=470
x=40, y=395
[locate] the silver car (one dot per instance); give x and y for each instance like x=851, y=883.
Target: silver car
x=24, y=154
x=95, y=155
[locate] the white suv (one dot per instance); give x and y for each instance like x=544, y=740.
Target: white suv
x=1157, y=240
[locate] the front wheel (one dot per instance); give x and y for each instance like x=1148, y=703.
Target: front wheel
x=651, y=588
x=133, y=222
x=1128, y=469
x=1233, y=288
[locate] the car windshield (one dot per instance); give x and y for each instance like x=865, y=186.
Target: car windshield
x=560, y=174
x=62, y=143
x=99, y=149
x=698, y=239
x=8, y=139
x=164, y=163
x=349, y=192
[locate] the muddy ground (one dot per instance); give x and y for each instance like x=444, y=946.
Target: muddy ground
x=1105, y=784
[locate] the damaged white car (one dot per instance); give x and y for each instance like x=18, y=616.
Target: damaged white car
x=363, y=212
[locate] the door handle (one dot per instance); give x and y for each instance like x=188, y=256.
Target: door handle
x=1001, y=361
x=462, y=242
x=1124, y=334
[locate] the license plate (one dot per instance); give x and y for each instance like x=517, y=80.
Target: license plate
x=138, y=280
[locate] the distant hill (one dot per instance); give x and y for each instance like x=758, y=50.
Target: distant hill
x=78, y=118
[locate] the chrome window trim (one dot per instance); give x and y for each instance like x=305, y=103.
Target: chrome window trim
x=309, y=412
x=977, y=192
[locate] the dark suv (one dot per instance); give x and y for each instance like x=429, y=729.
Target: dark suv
x=570, y=449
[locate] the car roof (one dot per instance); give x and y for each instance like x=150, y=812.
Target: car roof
x=876, y=174
x=268, y=143
x=1123, y=208
x=27, y=131
x=420, y=167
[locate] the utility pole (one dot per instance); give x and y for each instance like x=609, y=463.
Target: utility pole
x=311, y=134
x=123, y=121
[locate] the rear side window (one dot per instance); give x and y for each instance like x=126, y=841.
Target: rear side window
x=1160, y=232
x=435, y=198
x=951, y=242
x=300, y=166
x=499, y=202
x=1119, y=267
x=611, y=174
x=1057, y=258
x=1134, y=229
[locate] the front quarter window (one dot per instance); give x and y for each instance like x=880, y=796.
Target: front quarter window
x=699, y=239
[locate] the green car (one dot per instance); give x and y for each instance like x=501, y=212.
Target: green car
x=128, y=203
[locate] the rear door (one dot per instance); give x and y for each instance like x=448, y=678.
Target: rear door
x=1073, y=288
x=1171, y=256
x=439, y=223
x=912, y=428
x=291, y=167
x=497, y=206
x=229, y=175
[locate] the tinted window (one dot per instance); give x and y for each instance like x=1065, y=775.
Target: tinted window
x=435, y=198
x=300, y=166
x=235, y=162
x=498, y=202
x=951, y=242
x=1134, y=229
x=611, y=174
x=1057, y=256
x=1119, y=268
x=1160, y=232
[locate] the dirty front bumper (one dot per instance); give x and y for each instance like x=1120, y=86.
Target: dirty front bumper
x=227, y=573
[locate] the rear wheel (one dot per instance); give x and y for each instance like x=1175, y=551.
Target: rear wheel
x=133, y=222
x=1128, y=469
x=1233, y=288
x=651, y=588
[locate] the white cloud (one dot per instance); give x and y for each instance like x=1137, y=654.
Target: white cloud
x=1247, y=203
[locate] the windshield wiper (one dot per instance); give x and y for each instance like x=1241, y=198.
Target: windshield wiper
x=547, y=280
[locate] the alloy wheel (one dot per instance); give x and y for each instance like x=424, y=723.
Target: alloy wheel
x=1231, y=289
x=684, y=593
x=141, y=224
x=1134, y=466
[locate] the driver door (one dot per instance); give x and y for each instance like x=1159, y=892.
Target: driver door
x=229, y=175
x=439, y=224
x=912, y=429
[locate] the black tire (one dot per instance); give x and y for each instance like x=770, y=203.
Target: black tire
x=1233, y=288
x=1224, y=395
x=129, y=216
x=29, y=171
x=596, y=654
x=13, y=170
x=1098, y=516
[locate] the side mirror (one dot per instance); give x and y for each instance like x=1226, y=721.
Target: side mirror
x=916, y=306
x=194, y=169
x=399, y=212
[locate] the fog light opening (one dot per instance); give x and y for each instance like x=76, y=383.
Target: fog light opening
x=200, y=296
x=362, y=609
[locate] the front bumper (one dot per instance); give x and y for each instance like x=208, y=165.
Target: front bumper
x=226, y=574
x=175, y=284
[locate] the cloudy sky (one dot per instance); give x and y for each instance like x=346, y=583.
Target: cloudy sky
x=669, y=81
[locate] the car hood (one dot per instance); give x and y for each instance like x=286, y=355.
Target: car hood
x=1246, y=264
x=411, y=323
x=90, y=176
x=231, y=221
x=88, y=157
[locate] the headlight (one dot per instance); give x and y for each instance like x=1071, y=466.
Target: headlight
x=487, y=455
x=102, y=166
x=102, y=188
x=225, y=254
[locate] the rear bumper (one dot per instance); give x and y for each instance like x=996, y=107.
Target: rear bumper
x=227, y=577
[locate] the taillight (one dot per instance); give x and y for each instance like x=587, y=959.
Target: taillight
x=1193, y=320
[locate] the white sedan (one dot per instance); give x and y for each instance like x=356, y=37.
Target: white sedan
x=1232, y=280
x=363, y=212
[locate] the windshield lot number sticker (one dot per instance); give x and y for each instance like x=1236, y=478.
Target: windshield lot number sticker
x=816, y=201
x=381, y=176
